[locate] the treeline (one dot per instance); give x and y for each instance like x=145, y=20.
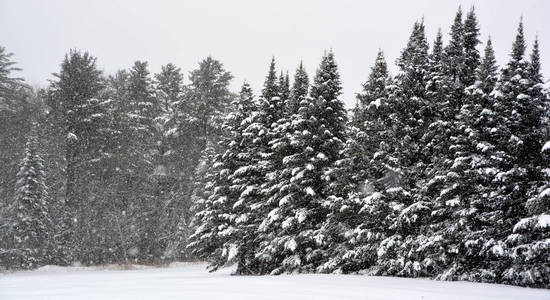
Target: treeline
x=100, y=169
x=442, y=170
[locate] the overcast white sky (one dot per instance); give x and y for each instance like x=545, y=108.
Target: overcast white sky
x=245, y=34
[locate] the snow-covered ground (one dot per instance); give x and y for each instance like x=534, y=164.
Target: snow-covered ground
x=191, y=281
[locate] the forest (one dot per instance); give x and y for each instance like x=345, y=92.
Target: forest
x=441, y=170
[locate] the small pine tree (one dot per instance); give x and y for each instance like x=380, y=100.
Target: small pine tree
x=31, y=228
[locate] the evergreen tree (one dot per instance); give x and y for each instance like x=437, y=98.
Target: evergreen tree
x=31, y=227
x=284, y=86
x=454, y=66
x=408, y=119
x=203, y=242
x=75, y=94
x=271, y=94
x=222, y=211
x=246, y=180
x=300, y=89
x=170, y=184
x=15, y=110
x=528, y=244
x=471, y=54
x=519, y=137
x=358, y=204
x=143, y=110
x=413, y=62
x=317, y=136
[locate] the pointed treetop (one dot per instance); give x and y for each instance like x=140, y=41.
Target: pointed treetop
x=413, y=62
x=270, y=89
x=518, y=48
x=457, y=35
x=300, y=89
x=327, y=79
x=284, y=87
x=438, y=47
x=534, y=63
x=471, y=41
x=246, y=98
x=374, y=90
x=486, y=73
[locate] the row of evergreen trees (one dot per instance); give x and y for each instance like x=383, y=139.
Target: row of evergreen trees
x=442, y=171
x=107, y=170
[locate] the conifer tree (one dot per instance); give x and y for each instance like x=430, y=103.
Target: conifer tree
x=241, y=235
x=75, y=94
x=358, y=204
x=271, y=94
x=168, y=92
x=317, y=136
x=413, y=62
x=31, y=227
x=203, y=241
x=518, y=131
x=528, y=243
x=300, y=89
x=284, y=86
x=471, y=41
x=195, y=123
x=143, y=110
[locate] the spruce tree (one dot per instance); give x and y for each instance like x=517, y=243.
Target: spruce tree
x=203, y=241
x=528, y=243
x=518, y=131
x=300, y=89
x=241, y=236
x=317, y=136
x=405, y=161
x=358, y=204
x=471, y=41
x=196, y=122
x=284, y=86
x=31, y=229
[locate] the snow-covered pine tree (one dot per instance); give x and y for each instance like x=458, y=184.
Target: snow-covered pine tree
x=257, y=174
x=518, y=133
x=203, y=242
x=143, y=110
x=246, y=179
x=300, y=89
x=14, y=113
x=407, y=102
x=471, y=54
x=475, y=163
x=271, y=93
x=317, y=134
x=75, y=94
x=454, y=62
x=31, y=229
x=529, y=244
x=434, y=85
x=195, y=122
x=284, y=86
x=358, y=206
x=413, y=63
x=450, y=153
x=171, y=186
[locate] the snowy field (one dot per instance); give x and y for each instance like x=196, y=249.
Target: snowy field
x=191, y=281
